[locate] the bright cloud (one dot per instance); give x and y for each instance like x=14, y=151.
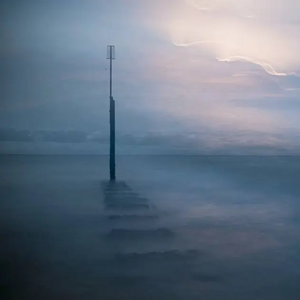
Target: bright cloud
x=265, y=33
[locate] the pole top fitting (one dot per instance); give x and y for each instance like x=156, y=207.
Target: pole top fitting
x=111, y=52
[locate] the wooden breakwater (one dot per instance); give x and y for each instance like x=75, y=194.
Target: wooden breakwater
x=144, y=253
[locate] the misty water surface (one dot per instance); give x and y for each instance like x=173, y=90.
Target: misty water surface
x=218, y=227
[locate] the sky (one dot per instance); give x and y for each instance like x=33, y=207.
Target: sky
x=227, y=68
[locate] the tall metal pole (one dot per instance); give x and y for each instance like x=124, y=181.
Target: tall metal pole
x=112, y=152
x=110, y=74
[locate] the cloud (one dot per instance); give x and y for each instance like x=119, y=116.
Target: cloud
x=270, y=38
x=268, y=68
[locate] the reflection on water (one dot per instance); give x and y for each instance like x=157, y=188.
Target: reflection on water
x=181, y=227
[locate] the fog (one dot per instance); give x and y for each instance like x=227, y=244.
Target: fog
x=206, y=202
x=172, y=227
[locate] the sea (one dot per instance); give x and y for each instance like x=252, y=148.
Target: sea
x=210, y=227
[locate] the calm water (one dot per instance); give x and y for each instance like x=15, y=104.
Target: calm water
x=209, y=227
